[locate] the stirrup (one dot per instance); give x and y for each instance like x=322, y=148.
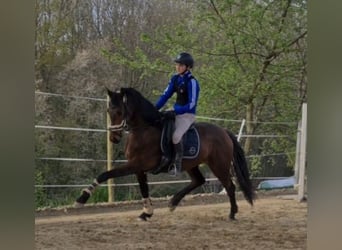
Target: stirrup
x=173, y=170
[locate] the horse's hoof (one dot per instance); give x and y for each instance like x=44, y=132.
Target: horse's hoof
x=144, y=216
x=232, y=217
x=83, y=198
x=172, y=208
x=78, y=205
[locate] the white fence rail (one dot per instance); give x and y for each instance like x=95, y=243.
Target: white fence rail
x=149, y=183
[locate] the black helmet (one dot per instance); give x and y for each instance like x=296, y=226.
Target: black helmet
x=185, y=58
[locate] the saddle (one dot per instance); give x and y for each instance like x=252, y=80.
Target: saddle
x=190, y=140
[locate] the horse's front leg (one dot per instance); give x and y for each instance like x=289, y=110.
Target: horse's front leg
x=147, y=204
x=116, y=172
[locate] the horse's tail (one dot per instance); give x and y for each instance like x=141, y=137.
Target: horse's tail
x=241, y=169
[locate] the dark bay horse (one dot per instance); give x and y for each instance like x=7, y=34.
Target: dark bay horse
x=219, y=149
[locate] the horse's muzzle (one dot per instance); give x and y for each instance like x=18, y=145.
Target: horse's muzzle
x=115, y=137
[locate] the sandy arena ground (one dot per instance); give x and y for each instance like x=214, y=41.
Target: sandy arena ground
x=272, y=223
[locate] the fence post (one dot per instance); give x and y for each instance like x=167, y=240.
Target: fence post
x=302, y=155
x=241, y=128
x=109, y=158
x=297, y=163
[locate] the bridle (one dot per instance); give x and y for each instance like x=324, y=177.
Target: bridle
x=123, y=125
x=119, y=127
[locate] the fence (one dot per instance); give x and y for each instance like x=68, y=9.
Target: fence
x=127, y=182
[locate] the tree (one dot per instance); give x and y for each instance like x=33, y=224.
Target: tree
x=250, y=60
x=258, y=60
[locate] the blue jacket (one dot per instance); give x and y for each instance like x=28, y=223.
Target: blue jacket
x=187, y=89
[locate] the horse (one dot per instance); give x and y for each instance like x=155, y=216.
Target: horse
x=219, y=149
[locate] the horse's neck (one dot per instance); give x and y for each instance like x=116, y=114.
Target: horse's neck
x=150, y=118
x=136, y=122
x=149, y=114
x=142, y=140
x=144, y=111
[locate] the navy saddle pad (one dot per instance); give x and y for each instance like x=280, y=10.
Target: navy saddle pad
x=191, y=143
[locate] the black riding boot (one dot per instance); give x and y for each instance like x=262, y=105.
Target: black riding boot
x=178, y=159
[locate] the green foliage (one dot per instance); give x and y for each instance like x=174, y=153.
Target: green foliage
x=255, y=167
x=100, y=195
x=39, y=193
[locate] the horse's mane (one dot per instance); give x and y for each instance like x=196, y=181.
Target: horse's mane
x=142, y=106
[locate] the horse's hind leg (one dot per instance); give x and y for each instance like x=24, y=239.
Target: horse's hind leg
x=230, y=188
x=147, y=204
x=222, y=173
x=197, y=180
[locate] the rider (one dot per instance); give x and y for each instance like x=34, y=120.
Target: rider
x=187, y=89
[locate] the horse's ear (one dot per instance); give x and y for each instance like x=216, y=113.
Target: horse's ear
x=123, y=92
x=109, y=92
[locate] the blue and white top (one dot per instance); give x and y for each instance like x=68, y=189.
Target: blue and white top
x=187, y=89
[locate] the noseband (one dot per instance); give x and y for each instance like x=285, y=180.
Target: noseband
x=119, y=127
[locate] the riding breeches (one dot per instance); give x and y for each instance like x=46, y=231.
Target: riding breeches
x=182, y=124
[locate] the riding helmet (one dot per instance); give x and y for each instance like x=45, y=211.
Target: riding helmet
x=185, y=58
